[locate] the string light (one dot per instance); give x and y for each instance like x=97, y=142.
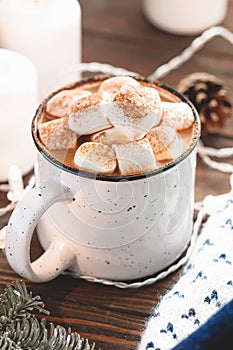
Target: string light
x=15, y=184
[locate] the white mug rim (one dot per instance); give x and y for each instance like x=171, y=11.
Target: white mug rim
x=113, y=178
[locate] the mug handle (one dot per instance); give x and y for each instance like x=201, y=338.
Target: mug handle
x=19, y=233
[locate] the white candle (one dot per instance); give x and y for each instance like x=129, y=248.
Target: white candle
x=185, y=17
x=48, y=32
x=18, y=101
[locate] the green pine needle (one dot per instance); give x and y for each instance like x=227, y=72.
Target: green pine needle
x=21, y=330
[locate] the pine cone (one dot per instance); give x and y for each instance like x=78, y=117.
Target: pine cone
x=210, y=97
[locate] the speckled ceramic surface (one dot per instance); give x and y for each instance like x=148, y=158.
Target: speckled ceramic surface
x=119, y=230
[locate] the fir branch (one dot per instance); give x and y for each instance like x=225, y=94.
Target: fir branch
x=16, y=303
x=21, y=330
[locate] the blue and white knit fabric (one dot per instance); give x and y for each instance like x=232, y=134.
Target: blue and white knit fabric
x=205, y=286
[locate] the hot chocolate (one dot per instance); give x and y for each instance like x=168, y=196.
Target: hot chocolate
x=116, y=126
x=114, y=186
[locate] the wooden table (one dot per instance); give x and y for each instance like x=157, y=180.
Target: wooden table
x=116, y=32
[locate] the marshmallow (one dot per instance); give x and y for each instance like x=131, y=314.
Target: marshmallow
x=135, y=110
x=177, y=114
x=165, y=142
x=95, y=157
x=59, y=105
x=109, y=136
x=56, y=135
x=114, y=84
x=88, y=115
x=135, y=157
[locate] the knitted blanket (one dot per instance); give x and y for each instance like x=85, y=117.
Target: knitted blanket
x=203, y=290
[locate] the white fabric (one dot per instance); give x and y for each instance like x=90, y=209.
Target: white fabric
x=205, y=285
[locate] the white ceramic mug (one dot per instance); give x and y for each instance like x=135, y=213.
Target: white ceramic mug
x=118, y=228
x=185, y=17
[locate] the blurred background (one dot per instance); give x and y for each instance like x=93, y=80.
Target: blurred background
x=118, y=32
